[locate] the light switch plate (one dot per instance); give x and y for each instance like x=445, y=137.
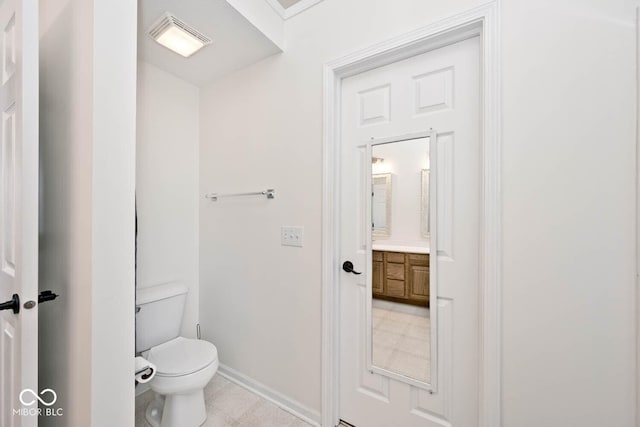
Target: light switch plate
x=292, y=236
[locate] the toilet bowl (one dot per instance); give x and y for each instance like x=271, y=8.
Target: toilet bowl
x=184, y=366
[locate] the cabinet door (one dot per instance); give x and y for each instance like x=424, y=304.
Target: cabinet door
x=395, y=271
x=378, y=277
x=396, y=288
x=419, y=283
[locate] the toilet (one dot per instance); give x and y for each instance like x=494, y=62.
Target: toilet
x=184, y=366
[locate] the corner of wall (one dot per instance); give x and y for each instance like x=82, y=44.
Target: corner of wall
x=263, y=17
x=113, y=207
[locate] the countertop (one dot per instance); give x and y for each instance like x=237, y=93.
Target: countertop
x=392, y=247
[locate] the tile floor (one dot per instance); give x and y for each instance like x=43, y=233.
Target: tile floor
x=401, y=338
x=229, y=405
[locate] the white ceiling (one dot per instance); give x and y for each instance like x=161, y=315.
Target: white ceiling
x=287, y=3
x=236, y=42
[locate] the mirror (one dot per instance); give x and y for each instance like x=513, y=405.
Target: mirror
x=424, y=206
x=400, y=328
x=381, y=205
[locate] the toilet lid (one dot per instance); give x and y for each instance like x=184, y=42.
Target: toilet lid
x=182, y=356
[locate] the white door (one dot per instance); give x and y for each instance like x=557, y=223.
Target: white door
x=18, y=207
x=437, y=90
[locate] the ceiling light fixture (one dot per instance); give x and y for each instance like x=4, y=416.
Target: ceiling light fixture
x=177, y=36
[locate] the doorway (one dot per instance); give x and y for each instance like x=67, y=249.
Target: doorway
x=390, y=94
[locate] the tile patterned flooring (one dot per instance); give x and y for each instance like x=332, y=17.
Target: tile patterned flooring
x=400, y=344
x=401, y=339
x=229, y=405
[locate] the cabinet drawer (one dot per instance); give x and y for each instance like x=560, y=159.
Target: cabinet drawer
x=395, y=271
x=378, y=256
x=395, y=257
x=419, y=259
x=395, y=288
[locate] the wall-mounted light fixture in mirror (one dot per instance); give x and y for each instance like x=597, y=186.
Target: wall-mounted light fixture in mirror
x=402, y=323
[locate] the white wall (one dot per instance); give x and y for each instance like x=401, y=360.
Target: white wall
x=568, y=157
x=65, y=208
x=262, y=127
x=405, y=161
x=167, y=184
x=113, y=212
x=87, y=209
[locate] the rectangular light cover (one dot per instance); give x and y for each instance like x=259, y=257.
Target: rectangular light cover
x=177, y=36
x=179, y=41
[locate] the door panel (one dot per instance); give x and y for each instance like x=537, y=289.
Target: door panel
x=8, y=392
x=18, y=206
x=437, y=90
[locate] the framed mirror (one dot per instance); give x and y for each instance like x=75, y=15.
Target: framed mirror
x=424, y=205
x=381, y=205
x=401, y=279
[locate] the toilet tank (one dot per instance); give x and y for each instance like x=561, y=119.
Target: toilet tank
x=159, y=316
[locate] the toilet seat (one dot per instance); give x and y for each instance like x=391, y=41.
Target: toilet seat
x=182, y=356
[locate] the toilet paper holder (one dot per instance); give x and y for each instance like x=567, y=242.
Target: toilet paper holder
x=144, y=375
x=144, y=371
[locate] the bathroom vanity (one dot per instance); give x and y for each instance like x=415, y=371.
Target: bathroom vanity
x=401, y=276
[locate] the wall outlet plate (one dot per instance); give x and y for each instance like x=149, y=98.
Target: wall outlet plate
x=292, y=236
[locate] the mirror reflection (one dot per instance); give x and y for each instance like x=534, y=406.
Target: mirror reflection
x=400, y=243
x=381, y=205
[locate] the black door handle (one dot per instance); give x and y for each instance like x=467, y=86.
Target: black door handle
x=348, y=267
x=13, y=304
x=46, y=296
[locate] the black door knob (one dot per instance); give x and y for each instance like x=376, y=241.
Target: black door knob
x=348, y=267
x=12, y=304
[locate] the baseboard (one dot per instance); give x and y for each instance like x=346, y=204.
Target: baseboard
x=293, y=407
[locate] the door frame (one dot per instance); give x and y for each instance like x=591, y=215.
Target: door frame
x=481, y=21
x=637, y=222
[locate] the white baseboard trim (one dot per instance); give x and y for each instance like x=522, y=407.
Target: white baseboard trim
x=293, y=407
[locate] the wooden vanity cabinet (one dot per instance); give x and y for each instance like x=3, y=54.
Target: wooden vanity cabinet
x=378, y=272
x=401, y=277
x=418, y=277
